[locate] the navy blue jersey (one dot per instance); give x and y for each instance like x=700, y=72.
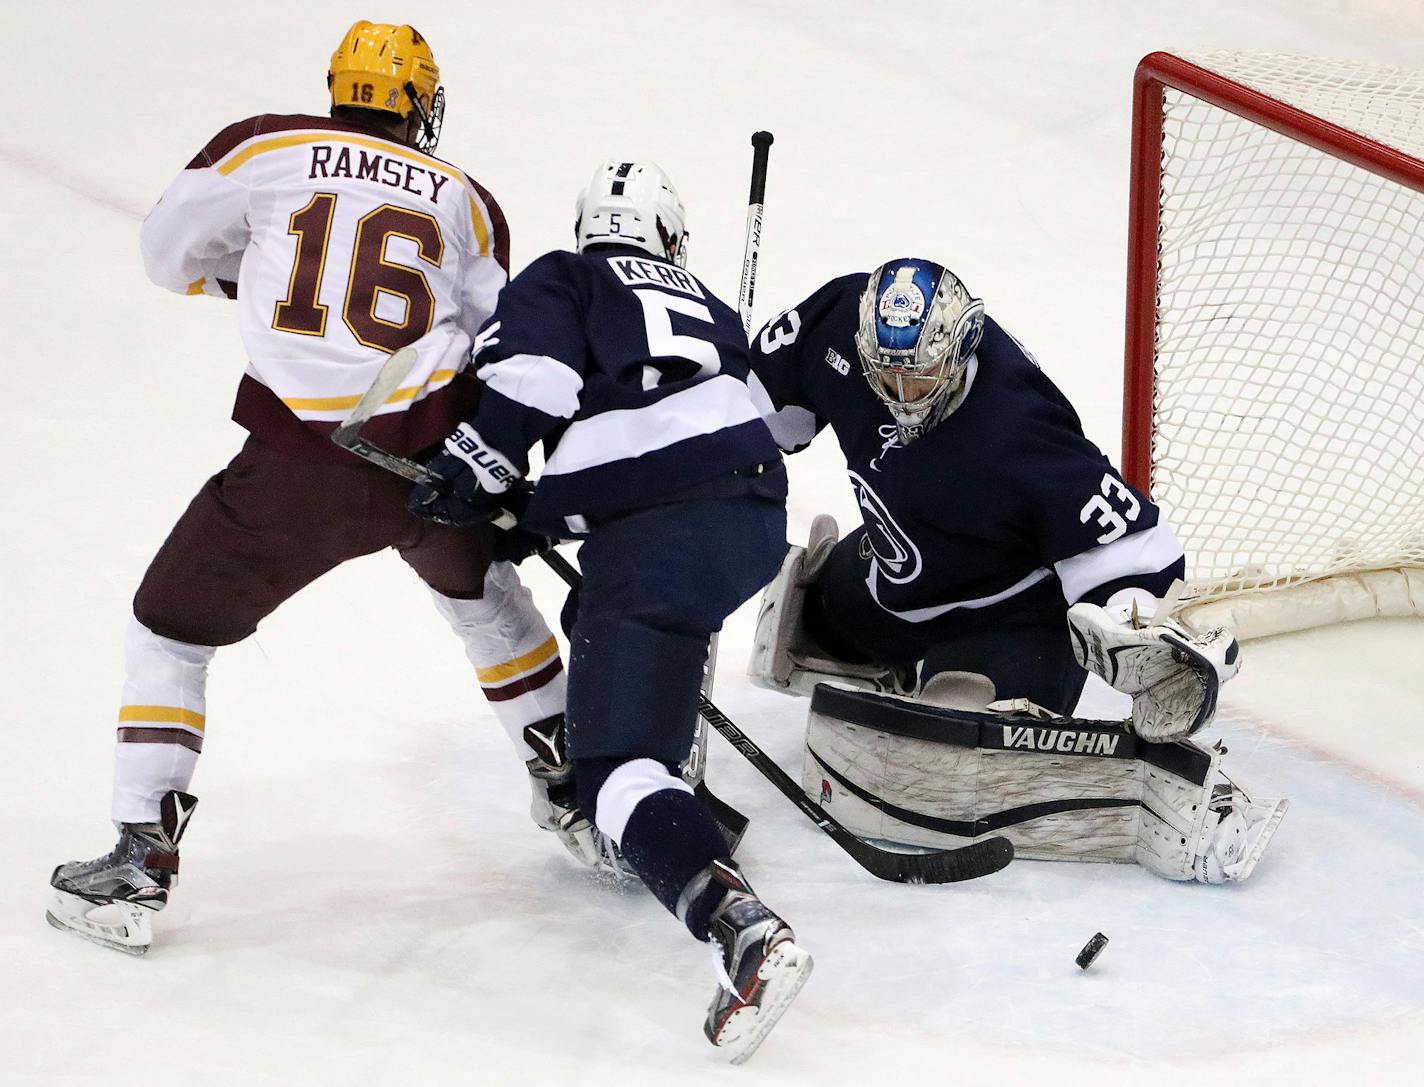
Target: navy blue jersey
x=631, y=372
x=1002, y=501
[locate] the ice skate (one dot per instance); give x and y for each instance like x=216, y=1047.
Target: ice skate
x=762, y=968
x=1236, y=832
x=111, y=900
x=554, y=807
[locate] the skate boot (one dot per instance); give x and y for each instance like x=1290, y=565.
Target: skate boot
x=112, y=899
x=1235, y=833
x=554, y=806
x=761, y=968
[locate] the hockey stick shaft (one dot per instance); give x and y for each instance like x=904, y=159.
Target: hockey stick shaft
x=352, y=442
x=944, y=866
x=751, y=247
x=751, y=254
x=981, y=858
x=732, y=822
x=388, y=380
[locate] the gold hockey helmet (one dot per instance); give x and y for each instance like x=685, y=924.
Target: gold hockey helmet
x=389, y=68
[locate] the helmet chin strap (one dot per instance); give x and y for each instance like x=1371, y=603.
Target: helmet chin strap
x=427, y=122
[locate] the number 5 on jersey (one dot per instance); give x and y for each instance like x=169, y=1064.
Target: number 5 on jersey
x=664, y=342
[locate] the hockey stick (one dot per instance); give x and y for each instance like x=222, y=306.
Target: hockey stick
x=696, y=764
x=751, y=246
x=695, y=767
x=981, y=858
x=943, y=866
x=348, y=436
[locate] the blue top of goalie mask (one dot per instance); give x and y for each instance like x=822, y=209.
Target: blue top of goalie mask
x=903, y=295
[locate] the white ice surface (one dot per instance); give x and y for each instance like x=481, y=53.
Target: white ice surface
x=364, y=900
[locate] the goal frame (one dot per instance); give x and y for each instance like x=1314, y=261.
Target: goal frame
x=1156, y=72
x=1288, y=606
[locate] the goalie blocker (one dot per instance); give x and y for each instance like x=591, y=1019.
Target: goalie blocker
x=892, y=768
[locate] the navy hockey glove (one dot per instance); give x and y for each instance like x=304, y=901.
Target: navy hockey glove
x=518, y=543
x=471, y=479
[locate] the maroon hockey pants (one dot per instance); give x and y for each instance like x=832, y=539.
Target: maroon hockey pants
x=269, y=524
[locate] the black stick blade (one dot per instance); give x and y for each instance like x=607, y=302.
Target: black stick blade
x=944, y=866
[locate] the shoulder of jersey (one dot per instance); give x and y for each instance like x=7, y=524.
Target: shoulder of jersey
x=556, y=262
x=834, y=295
x=244, y=140
x=851, y=281
x=1022, y=388
x=1005, y=352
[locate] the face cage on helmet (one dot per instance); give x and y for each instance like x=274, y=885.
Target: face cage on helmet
x=430, y=123
x=674, y=246
x=914, y=416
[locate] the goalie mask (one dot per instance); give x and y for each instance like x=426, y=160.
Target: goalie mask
x=389, y=69
x=632, y=203
x=919, y=326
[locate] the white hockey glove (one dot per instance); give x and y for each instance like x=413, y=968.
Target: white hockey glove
x=1174, y=676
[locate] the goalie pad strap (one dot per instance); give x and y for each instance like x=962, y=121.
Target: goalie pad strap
x=963, y=728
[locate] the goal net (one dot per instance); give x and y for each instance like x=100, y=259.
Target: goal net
x=1274, y=395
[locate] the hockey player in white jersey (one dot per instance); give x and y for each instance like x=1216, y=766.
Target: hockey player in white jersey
x=1002, y=558
x=342, y=239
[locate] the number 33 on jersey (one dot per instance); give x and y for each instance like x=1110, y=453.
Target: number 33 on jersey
x=340, y=247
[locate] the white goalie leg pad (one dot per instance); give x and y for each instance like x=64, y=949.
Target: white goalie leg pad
x=162, y=718
x=904, y=771
x=1220, y=831
x=784, y=657
x=1173, y=675
x=900, y=770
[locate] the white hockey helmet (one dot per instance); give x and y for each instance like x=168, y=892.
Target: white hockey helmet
x=632, y=203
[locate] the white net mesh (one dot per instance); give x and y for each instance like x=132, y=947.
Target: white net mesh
x=1289, y=395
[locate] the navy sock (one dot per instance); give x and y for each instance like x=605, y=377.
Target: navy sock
x=669, y=839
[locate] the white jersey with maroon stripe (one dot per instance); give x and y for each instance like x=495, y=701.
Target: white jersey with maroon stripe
x=340, y=247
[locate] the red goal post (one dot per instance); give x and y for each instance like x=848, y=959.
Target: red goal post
x=1274, y=383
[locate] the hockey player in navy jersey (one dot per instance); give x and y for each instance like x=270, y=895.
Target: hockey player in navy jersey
x=1001, y=556
x=633, y=375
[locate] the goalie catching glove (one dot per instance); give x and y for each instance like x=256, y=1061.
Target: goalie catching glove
x=1173, y=675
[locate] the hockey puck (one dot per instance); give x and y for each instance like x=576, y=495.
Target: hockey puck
x=1091, y=950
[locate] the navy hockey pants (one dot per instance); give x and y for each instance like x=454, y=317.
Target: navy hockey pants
x=657, y=583
x=1026, y=652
